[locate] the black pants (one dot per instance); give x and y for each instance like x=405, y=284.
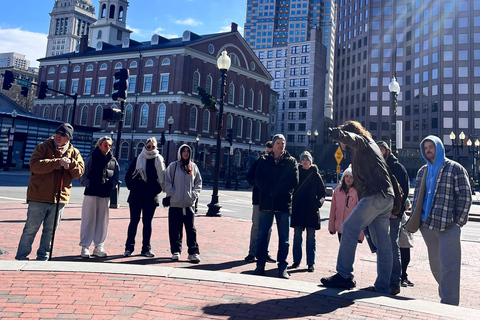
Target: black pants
x=148, y=207
x=176, y=221
x=405, y=257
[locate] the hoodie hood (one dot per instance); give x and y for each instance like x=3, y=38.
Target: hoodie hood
x=439, y=151
x=179, y=152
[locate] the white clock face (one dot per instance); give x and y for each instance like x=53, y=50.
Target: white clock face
x=99, y=45
x=125, y=41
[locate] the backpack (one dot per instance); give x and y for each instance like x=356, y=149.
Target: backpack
x=397, y=189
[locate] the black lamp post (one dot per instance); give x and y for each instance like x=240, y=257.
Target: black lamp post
x=249, y=146
x=394, y=89
x=473, y=149
x=223, y=63
x=196, y=148
x=170, y=121
x=455, y=146
x=11, y=139
x=312, y=142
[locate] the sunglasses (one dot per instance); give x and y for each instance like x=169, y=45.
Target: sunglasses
x=63, y=134
x=149, y=147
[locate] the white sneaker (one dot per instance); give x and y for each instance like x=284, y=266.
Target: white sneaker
x=176, y=256
x=85, y=252
x=99, y=252
x=194, y=258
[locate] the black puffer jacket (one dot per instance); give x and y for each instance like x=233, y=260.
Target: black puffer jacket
x=368, y=166
x=399, y=171
x=143, y=191
x=276, y=182
x=101, y=174
x=308, y=197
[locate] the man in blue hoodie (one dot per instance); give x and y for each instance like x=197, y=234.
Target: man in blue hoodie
x=445, y=206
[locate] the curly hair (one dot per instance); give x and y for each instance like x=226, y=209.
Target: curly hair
x=355, y=127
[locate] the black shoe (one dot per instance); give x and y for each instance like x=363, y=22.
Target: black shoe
x=259, y=271
x=270, y=259
x=394, y=290
x=295, y=265
x=250, y=258
x=337, y=281
x=404, y=283
x=311, y=268
x=148, y=254
x=407, y=283
x=283, y=274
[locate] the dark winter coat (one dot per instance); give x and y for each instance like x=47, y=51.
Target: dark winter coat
x=101, y=174
x=276, y=182
x=141, y=191
x=399, y=171
x=308, y=197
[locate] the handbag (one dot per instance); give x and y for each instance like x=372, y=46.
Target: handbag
x=166, y=200
x=415, y=221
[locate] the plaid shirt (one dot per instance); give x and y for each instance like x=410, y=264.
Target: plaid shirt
x=452, y=198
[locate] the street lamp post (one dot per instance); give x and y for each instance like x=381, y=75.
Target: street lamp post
x=249, y=146
x=394, y=89
x=170, y=122
x=11, y=139
x=473, y=149
x=312, y=142
x=196, y=148
x=223, y=63
x=455, y=146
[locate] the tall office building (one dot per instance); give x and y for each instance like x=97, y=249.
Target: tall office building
x=433, y=49
x=69, y=21
x=13, y=59
x=295, y=40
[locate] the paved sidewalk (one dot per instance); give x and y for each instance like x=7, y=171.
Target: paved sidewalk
x=220, y=287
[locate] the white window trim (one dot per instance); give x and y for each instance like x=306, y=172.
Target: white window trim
x=136, y=83
x=160, y=84
x=71, y=85
x=164, y=118
x=85, y=85
x=98, y=85
x=140, y=116
x=203, y=121
x=145, y=76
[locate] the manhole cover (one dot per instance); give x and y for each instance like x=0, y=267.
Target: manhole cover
x=3, y=253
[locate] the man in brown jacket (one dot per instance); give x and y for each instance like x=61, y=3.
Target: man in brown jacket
x=46, y=163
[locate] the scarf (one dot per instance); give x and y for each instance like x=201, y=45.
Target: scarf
x=61, y=150
x=141, y=165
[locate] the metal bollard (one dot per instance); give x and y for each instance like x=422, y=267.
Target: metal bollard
x=114, y=196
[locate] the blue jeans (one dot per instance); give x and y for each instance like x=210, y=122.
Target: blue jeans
x=297, y=245
x=38, y=213
x=265, y=222
x=395, y=224
x=373, y=211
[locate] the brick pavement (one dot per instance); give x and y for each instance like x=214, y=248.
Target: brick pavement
x=228, y=292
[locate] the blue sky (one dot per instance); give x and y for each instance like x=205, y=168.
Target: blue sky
x=24, y=28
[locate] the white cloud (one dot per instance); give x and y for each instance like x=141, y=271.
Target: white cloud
x=188, y=22
x=33, y=45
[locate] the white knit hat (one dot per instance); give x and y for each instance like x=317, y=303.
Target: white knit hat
x=348, y=171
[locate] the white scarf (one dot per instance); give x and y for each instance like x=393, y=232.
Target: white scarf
x=141, y=165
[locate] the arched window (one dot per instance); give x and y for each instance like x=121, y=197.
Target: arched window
x=193, y=119
x=250, y=99
x=124, y=148
x=120, y=13
x=161, y=115
x=111, y=14
x=231, y=93
x=64, y=70
x=258, y=130
x=249, y=129
x=103, y=66
x=234, y=59
x=84, y=116
x=99, y=34
x=139, y=148
x=51, y=70
x=76, y=69
x=166, y=62
x=149, y=63
x=238, y=158
x=206, y=121
x=144, y=116
x=239, y=127
x=259, y=101
x=104, y=10
x=229, y=121
x=70, y=114
x=118, y=65
x=133, y=64
x=46, y=112
x=97, y=121
x=58, y=113
x=208, y=84
x=90, y=67
x=241, y=97
x=127, y=122
x=196, y=82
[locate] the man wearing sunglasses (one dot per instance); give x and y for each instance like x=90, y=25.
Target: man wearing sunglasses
x=46, y=164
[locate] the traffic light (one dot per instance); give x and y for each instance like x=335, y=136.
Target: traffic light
x=42, y=93
x=24, y=91
x=230, y=136
x=112, y=114
x=8, y=79
x=121, y=85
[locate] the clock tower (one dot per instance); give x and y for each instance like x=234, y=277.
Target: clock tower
x=111, y=24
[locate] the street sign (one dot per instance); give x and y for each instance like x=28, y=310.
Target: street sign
x=24, y=83
x=339, y=155
x=338, y=169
